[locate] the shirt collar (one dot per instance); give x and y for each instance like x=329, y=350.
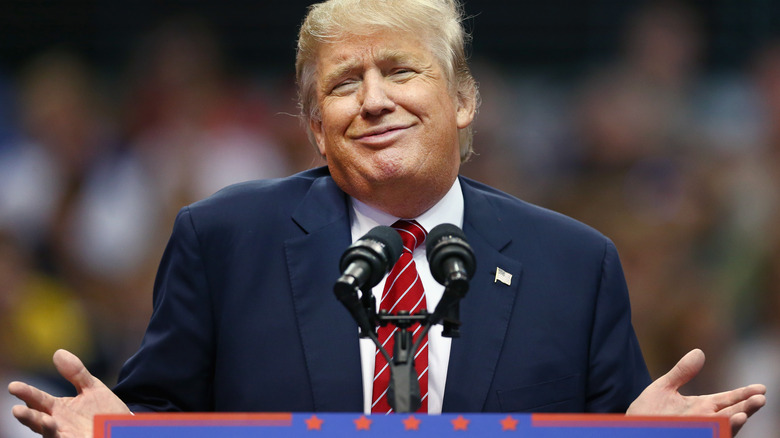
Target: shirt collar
x=448, y=210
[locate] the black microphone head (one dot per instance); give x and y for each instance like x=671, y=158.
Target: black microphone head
x=391, y=242
x=442, y=231
x=445, y=241
x=380, y=248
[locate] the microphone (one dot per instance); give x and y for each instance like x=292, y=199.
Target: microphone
x=452, y=264
x=365, y=262
x=363, y=265
x=449, y=256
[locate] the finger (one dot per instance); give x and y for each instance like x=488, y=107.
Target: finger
x=50, y=429
x=29, y=417
x=730, y=398
x=686, y=369
x=748, y=407
x=71, y=368
x=754, y=403
x=32, y=396
x=737, y=421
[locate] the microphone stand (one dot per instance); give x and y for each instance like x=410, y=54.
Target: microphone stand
x=451, y=321
x=452, y=264
x=403, y=392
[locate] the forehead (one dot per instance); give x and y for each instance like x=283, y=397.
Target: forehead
x=376, y=47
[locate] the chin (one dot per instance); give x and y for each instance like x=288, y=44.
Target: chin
x=389, y=168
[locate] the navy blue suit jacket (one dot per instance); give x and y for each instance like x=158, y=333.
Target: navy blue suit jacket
x=245, y=318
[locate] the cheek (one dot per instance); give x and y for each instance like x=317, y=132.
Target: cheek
x=439, y=105
x=338, y=111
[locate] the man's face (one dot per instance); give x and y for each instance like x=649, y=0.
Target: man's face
x=389, y=121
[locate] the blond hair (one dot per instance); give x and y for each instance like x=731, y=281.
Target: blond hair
x=439, y=22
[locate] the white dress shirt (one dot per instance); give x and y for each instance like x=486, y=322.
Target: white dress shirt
x=363, y=218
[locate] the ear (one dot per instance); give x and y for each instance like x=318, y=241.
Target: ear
x=316, y=129
x=467, y=107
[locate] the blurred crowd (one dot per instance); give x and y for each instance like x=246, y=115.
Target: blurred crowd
x=677, y=163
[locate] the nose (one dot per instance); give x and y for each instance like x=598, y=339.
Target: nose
x=375, y=98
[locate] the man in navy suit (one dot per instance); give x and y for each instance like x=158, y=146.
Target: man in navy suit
x=244, y=316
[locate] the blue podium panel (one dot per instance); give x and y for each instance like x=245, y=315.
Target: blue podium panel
x=320, y=425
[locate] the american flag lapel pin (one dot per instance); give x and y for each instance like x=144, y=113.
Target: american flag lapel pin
x=503, y=276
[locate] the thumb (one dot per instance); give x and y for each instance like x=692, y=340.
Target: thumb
x=71, y=368
x=685, y=370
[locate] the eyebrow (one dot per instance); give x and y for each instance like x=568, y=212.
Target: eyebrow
x=341, y=70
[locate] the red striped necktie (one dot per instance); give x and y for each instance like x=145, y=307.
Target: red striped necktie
x=403, y=291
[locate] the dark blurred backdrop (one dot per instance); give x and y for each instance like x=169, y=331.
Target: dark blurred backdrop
x=560, y=34
x=656, y=122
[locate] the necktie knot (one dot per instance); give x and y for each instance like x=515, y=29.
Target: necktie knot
x=412, y=233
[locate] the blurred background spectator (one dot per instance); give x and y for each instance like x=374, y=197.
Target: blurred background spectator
x=656, y=122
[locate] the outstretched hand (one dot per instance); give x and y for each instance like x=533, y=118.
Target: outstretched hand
x=662, y=397
x=66, y=417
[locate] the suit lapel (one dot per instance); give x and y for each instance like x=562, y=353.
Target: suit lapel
x=328, y=333
x=485, y=311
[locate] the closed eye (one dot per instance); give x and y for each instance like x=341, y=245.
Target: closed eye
x=402, y=73
x=346, y=86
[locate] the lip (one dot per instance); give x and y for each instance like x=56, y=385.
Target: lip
x=380, y=135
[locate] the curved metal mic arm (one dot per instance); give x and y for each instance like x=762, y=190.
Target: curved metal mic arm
x=403, y=393
x=363, y=265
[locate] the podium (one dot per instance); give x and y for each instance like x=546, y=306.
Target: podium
x=331, y=425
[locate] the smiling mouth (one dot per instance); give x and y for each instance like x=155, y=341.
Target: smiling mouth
x=379, y=132
x=381, y=135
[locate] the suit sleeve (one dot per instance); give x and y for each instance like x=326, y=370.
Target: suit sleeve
x=173, y=369
x=617, y=373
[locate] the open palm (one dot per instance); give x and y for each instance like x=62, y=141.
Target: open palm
x=66, y=417
x=663, y=398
